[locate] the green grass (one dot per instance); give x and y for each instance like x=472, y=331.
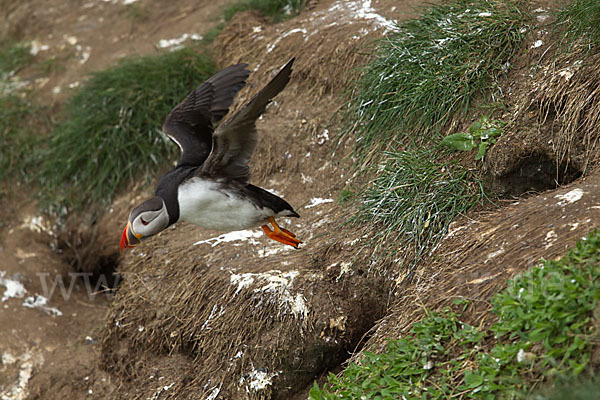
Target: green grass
x=421, y=78
x=413, y=198
x=136, y=13
x=546, y=330
x=277, y=10
x=109, y=135
x=20, y=120
x=585, y=388
x=19, y=136
x=14, y=56
x=580, y=22
x=431, y=70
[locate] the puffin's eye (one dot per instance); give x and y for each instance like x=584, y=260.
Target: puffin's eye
x=144, y=222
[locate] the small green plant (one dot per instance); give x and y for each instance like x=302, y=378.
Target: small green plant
x=135, y=12
x=110, y=134
x=481, y=135
x=546, y=329
x=346, y=194
x=276, y=9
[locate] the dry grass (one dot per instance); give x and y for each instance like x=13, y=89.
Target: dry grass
x=568, y=97
x=225, y=324
x=325, y=58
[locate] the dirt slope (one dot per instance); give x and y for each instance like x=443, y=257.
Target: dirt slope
x=204, y=315
x=479, y=256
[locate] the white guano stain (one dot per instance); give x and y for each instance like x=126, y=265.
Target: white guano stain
x=243, y=235
x=550, y=238
x=178, y=42
x=276, y=284
x=569, y=197
x=362, y=10
x=13, y=288
x=286, y=34
x=344, y=269
x=257, y=380
x=315, y=201
x=494, y=254
x=536, y=44
x=28, y=361
x=38, y=224
x=342, y=12
x=39, y=302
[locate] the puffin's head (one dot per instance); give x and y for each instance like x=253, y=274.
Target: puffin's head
x=147, y=219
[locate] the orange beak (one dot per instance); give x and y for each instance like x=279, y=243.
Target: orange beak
x=128, y=238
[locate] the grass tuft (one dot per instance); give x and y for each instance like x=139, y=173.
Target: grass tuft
x=430, y=70
x=20, y=120
x=277, y=10
x=110, y=134
x=14, y=56
x=421, y=79
x=414, y=198
x=580, y=22
x=18, y=138
x=546, y=330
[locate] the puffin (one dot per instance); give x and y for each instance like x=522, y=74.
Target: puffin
x=210, y=186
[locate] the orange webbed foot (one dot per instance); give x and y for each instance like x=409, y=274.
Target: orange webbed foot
x=280, y=235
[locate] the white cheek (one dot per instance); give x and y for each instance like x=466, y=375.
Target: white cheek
x=139, y=228
x=153, y=227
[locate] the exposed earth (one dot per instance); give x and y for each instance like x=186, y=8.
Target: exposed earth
x=202, y=315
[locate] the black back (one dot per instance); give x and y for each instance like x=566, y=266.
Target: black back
x=263, y=198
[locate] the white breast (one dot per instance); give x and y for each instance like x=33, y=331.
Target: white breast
x=202, y=204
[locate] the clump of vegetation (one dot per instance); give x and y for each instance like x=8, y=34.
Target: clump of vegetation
x=546, y=329
x=110, y=134
x=14, y=56
x=482, y=134
x=135, y=12
x=414, y=198
x=585, y=388
x=19, y=118
x=276, y=9
x=421, y=78
x=18, y=142
x=580, y=22
x=430, y=70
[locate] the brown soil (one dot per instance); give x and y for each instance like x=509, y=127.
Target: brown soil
x=198, y=316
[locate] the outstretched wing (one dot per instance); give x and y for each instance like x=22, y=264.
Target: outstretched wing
x=234, y=141
x=191, y=123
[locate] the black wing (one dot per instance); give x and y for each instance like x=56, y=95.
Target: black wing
x=235, y=140
x=191, y=123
